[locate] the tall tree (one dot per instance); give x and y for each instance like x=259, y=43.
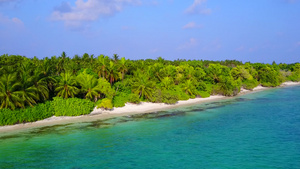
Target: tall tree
x=143, y=86
x=112, y=71
x=66, y=87
x=10, y=94
x=123, y=67
x=89, y=85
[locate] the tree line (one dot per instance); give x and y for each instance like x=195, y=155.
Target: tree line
x=113, y=81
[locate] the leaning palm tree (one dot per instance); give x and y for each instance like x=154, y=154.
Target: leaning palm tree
x=10, y=92
x=66, y=87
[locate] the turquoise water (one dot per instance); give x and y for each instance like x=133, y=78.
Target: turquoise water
x=260, y=130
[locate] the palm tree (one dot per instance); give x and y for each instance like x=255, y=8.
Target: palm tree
x=66, y=87
x=89, y=85
x=123, y=68
x=100, y=68
x=116, y=57
x=112, y=71
x=39, y=80
x=10, y=92
x=189, y=88
x=167, y=83
x=143, y=86
x=29, y=92
x=61, y=62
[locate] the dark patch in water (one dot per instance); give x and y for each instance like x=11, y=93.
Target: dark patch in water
x=76, y=168
x=197, y=109
x=176, y=113
x=37, y=131
x=215, y=107
x=9, y=137
x=100, y=124
x=241, y=99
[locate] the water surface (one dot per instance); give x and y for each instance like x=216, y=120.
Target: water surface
x=260, y=130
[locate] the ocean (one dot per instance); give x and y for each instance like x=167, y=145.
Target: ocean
x=253, y=131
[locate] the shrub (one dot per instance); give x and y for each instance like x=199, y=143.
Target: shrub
x=29, y=114
x=250, y=84
x=134, y=98
x=228, y=86
x=120, y=99
x=105, y=104
x=71, y=106
x=203, y=94
x=169, y=97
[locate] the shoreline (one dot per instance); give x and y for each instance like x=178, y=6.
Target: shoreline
x=127, y=110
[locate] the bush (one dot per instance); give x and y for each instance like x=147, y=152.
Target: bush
x=105, y=104
x=203, y=94
x=71, y=106
x=228, y=86
x=120, y=99
x=169, y=97
x=134, y=98
x=295, y=77
x=30, y=114
x=250, y=84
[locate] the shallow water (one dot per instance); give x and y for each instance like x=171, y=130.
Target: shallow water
x=260, y=130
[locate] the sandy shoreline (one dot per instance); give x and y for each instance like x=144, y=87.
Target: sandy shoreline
x=128, y=109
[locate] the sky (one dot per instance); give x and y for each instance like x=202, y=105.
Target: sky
x=244, y=30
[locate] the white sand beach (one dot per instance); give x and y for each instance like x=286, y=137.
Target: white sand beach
x=289, y=83
x=128, y=109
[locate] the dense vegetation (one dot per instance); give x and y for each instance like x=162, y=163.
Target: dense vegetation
x=32, y=89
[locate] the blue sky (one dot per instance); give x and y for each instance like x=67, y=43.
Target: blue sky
x=245, y=30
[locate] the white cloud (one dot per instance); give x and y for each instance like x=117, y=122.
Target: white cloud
x=191, y=25
x=191, y=43
x=87, y=11
x=9, y=21
x=198, y=8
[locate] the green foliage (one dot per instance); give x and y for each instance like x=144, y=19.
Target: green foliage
x=203, y=94
x=10, y=93
x=169, y=97
x=66, y=86
x=71, y=106
x=28, y=82
x=31, y=114
x=250, y=84
x=134, y=98
x=165, y=96
x=269, y=77
x=105, y=104
x=295, y=75
x=89, y=85
x=228, y=86
x=120, y=99
x=105, y=89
